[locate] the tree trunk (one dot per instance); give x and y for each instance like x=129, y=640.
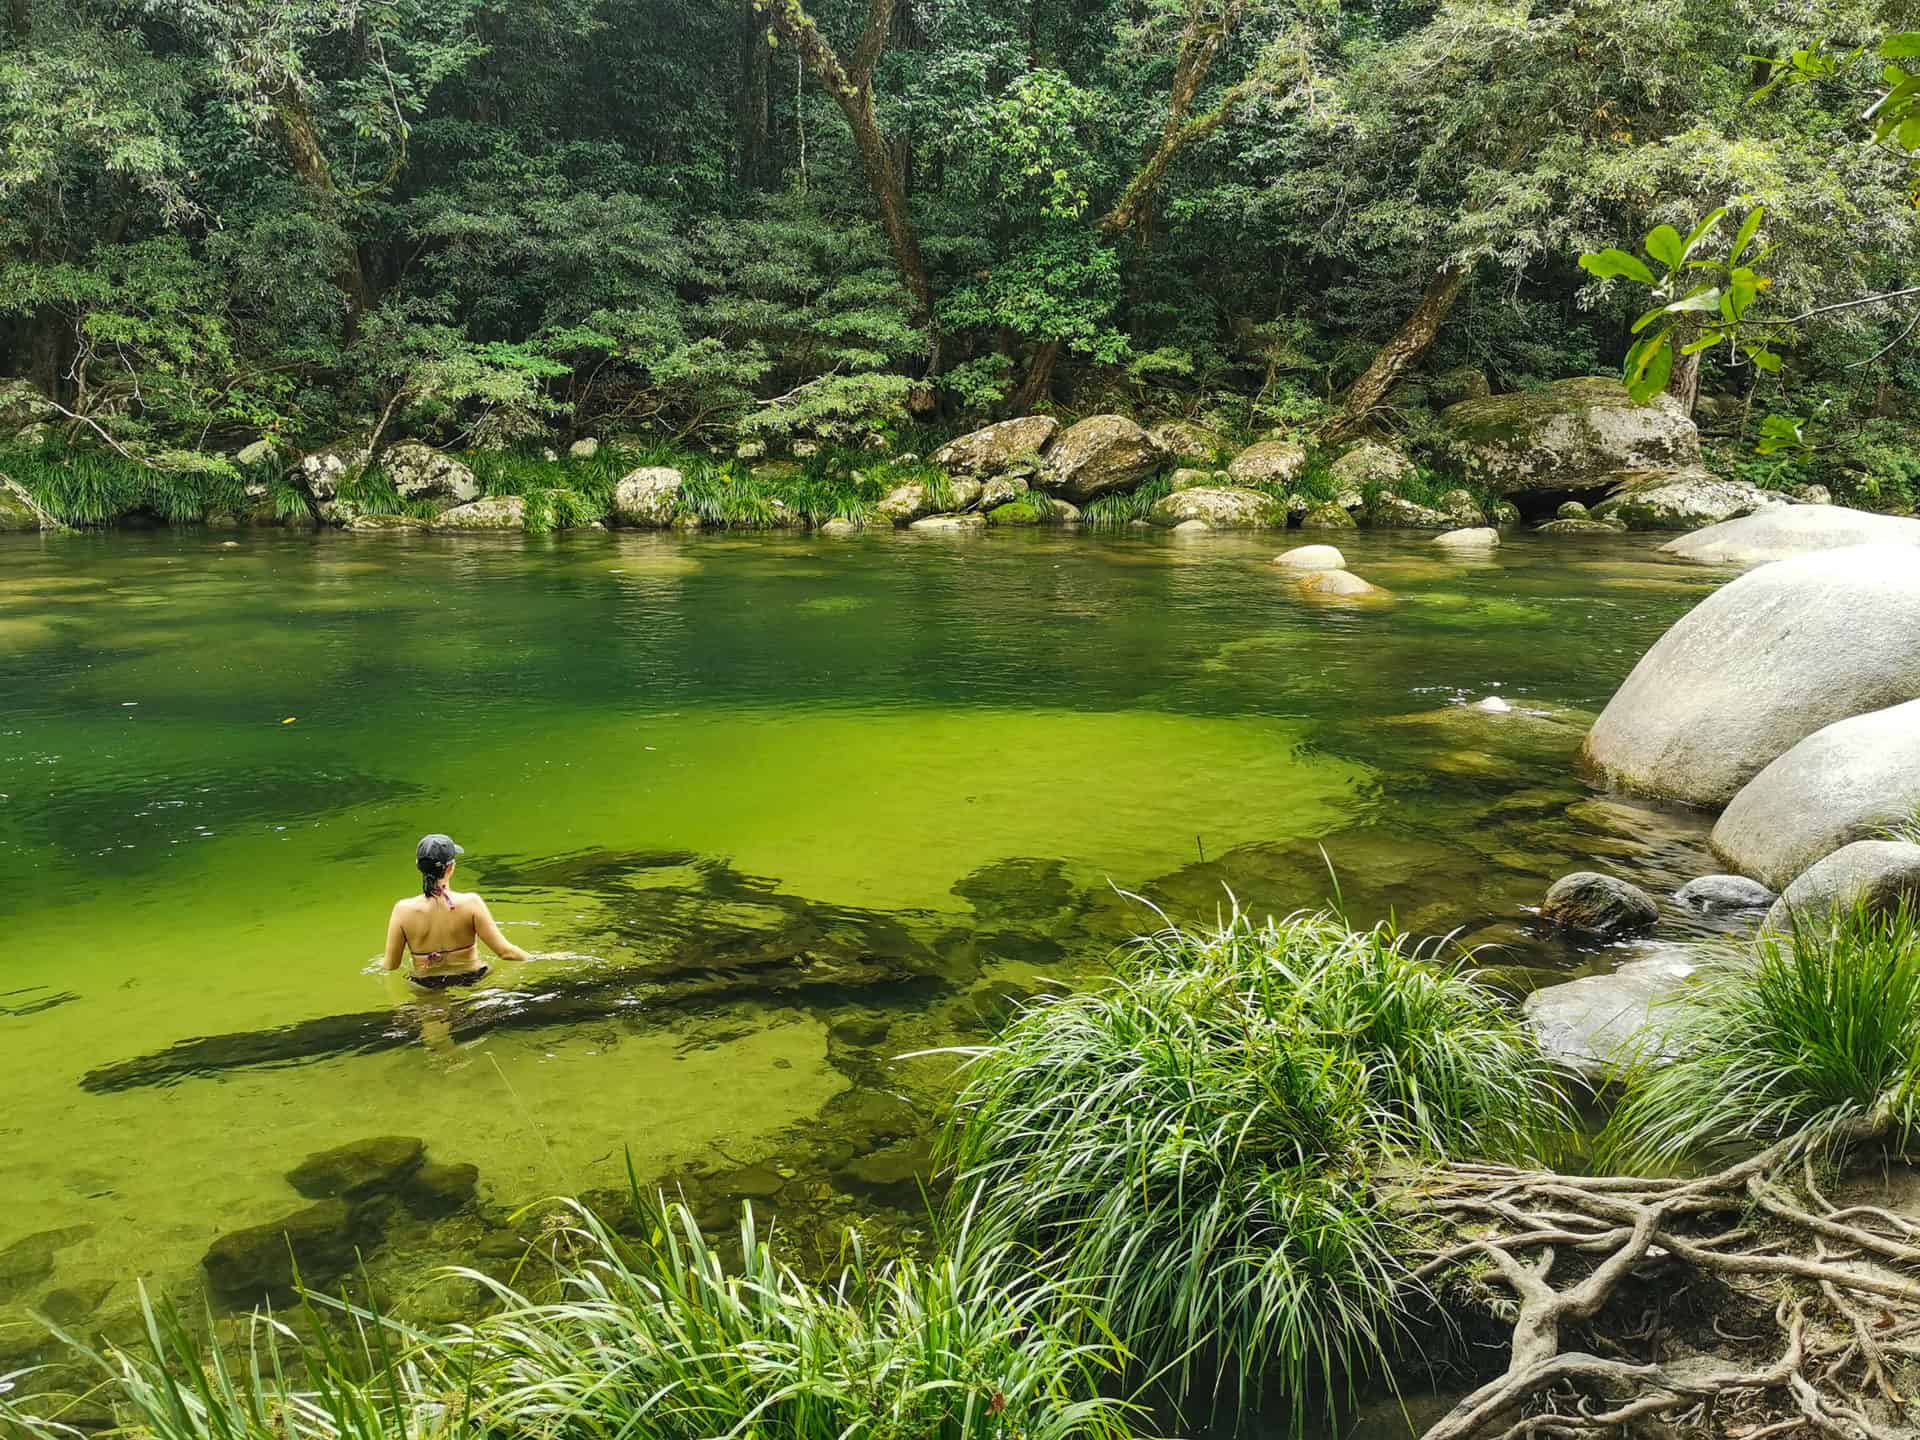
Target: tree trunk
x=310, y=163
x=1684, y=384
x=1039, y=376
x=756, y=74
x=850, y=84
x=19, y=20
x=1403, y=351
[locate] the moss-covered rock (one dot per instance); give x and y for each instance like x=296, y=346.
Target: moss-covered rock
x=362, y=1168
x=419, y=472
x=1101, y=455
x=318, y=1243
x=1583, y=434
x=649, y=497
x=1682, y=500
x=1370, y=464
x=1268, y=462
x=997, y=448
x=496, y=512
x=1220, y=507
x=15, y=513
x=1328, y=517
x=1184, y=440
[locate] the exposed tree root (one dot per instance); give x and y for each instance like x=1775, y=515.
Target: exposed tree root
x=1842, y=1286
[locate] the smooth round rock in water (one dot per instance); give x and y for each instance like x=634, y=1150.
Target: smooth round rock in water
x=1876, y=874
x=1571, y=510
x=1222, y=507
x=971, y=521
x=1781, y=532
x=1341, y=585
x=319, y=1240
x=1312, y=557
x=1596, y=1025
x=1854, y=780
x=1724, y=894
x=1478, y=537
x=1599, y=905
x=1757, y=667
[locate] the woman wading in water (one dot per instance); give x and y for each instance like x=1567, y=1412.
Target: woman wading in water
x=442, y=928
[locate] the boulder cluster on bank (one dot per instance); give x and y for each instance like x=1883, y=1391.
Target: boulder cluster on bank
x=1577, y=457
x=1788, y=702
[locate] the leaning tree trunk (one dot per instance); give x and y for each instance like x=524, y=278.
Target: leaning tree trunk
x=1403, y=351
x=1034, y=384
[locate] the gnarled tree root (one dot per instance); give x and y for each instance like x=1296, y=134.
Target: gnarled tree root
x=1843, y=1286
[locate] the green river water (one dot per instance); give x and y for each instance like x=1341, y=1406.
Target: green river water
x=778, y=809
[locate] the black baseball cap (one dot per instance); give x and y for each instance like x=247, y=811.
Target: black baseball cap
x=436, y=851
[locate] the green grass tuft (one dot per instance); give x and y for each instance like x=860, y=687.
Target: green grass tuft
x=85, y=485
x=1808, y=1035
x=1112, y=512
x=1197, y=1145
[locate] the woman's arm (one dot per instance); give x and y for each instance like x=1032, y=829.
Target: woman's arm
x=484, y=925
x=396, y=940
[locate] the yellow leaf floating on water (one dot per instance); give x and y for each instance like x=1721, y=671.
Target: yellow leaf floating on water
x=290, y=719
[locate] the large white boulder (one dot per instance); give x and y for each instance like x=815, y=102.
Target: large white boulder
x=1221, y=507
x=1572, y=435
x=1683, y=500
x=648, y=497
x=1758, y=666
x=1783, y=531
x=993, y=450
x=1877, y=875
x=1101, y=455
x=1853, y=780
x=1312, y=557
x=1369, y=463
x=496, y=512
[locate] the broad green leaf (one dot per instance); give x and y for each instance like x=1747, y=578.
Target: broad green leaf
x=1648, y=318
x=1702, y=301
x=1901, y=45
x=1748, y=229
x=1611, y=262
x=1648, y=366
x=1664, y=244
x=1908, y=134
x=1704, y=229
x=1766, y=360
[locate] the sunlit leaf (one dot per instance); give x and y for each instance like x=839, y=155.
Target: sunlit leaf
x=1612, y=262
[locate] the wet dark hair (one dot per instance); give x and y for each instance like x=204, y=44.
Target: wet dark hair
x=432, y=876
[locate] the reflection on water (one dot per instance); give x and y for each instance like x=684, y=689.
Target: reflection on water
x=778, y=811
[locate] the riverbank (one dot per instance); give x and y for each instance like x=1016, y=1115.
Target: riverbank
x=1577, y=457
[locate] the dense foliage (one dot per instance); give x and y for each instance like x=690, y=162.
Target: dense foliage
x=477, y=221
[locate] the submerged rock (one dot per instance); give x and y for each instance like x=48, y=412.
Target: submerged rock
x=1877, y=875
x=29, y=1260
x=437, y=1190
x=1598, y=1025
x=994, y=449
x=1682, y=500
x=1582, y=434
x=1478, y=538
x=1101, y=455
x=359, y=1169
x=1312, y=557
x=1268, y=462
x=1341, y=585
x=1723, y=895
x=950, y=523
x=318, y=1243
x=1758, y=666
x=648, y=497
x=1221, y=508
x=1598, y=904
x=1781, y=532
x=496, y=512
x=1853, y=780
x=1578, y=527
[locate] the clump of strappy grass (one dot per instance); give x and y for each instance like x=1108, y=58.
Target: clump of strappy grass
x=663, y=1340
x=1808, y=1035
x=1112, y=512
x=655, y=1340
x=92, y=485
x=1199, y=1146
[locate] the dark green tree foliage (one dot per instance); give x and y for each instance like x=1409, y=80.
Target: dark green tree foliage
x=709, y=219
